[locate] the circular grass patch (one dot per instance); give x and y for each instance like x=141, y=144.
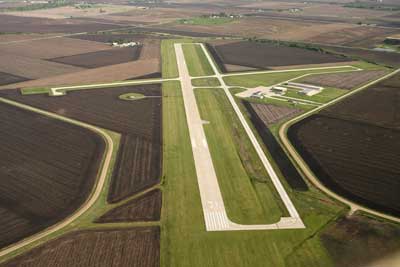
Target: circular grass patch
x=131, y=96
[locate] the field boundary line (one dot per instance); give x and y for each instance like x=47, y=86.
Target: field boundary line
x=293, y=153
x=95, y=193
x=291, y=70
x=56, y=90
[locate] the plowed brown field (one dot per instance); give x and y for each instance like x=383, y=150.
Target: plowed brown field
x=136, y=247
x=143, y=208
x=47, y=169
x=139, y=122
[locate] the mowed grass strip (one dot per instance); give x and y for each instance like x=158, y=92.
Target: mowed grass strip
x=184, y=240
x=196, y=60
x=268, y=79
x=326, y=95
x=245, y=185
x=205, y=82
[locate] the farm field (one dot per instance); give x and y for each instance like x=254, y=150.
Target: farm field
x=373, y=243
x=265, y=115
x=391, y=59
x=139, y=160
x=45, y=47
x=270, y=114
x=101, y=58
x=263, y=55
x=94, y=53
x=7, y=78
x=149, y=212
x=344, y=80
x=33, y=68
x=143, y=208
x=97, y=248
x=364, y=106
x=347, y=156
x=13, y=24
x=272, y=78
x=39, y=185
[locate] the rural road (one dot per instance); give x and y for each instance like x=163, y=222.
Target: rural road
x=94, y=195
x=216, y=218
x=215, y=215
x=306, y=170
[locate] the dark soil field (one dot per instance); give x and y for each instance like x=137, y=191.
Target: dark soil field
x=13, y=24
x=358, y=241
x=270, y=114
x=391, y=59
x=378, y=105
x=136, y=247
x=357, y=160
x=138, y=164
x=347, y=81
x=263, y=56
x=101, y=58
x=143, y=208
x=260, y=120
x=47, y=170
x=7, y=78
x=109, y=38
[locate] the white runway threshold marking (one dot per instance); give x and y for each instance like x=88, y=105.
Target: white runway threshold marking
x=215, y=216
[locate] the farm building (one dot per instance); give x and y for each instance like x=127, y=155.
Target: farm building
x=306, y=89
x=279, y=89
x=258, y=94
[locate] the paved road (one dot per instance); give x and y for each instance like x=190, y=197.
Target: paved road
x=94, y=195
x=215, y=215
x=306, y=170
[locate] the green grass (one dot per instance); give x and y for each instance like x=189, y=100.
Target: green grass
x=34, y=91
x=184, y=241
x=169, y=66
x=131, y=96
x=246, y=188
x=205, y=82
x=272, y=101
x=205, y=21
x=196, y=61
x=325, y=96
x=268, y=79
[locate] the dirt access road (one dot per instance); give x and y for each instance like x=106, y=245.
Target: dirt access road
x=306, y=170
x=215, y=215
x=100, y=183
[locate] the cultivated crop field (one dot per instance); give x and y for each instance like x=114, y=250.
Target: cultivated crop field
x=262, y=116
x=112, y=247
x=144, y=208
x=39, y=185
x=7, y=78
x=353, y=146
x=344, y=80
x=102, y=58
x=12, y=24
x=139, y=122
x=355, y=159
x=270, y=114
x=264, y=56
x=365, y=107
